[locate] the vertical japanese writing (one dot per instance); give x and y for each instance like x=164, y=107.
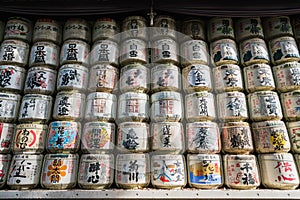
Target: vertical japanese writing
x=208, y=170
x=196, y=77
x=132, y=171
x=56, y=170
x=285, y=171
x=37, y=79
x=231, y=76
x=196, y=52
x=133, y=50
x=201, y=138
x=240, y=139
x=39, y=54
x=203, y=106
x=23, y=138
x=235, y=105
x=103, y=53
x=64, y=106
x=101, y=74
x=166, y=50
x=9, y=53
x=60, y=140
x=28, y=105
x=278, y=139
x=94, y=170
x=5, y=77
x=132, y=77
x=295, y=76
x=171, y=172
x=165, y=79
x=264, y=77
x=166, y=107
x=271, y=105
x=132, y=106
x=98, y=106
x=166, y=136
x=72, y=52
x=248, y=176
x=19, y=170
x=130, y=140
x=70, y=75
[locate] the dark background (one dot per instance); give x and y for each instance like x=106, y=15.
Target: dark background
x=121, y=8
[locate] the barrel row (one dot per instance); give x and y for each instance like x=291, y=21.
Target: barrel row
x=135, y=171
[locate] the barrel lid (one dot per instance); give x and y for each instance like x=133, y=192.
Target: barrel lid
x=202, y=124
x=269, y=123
x=74, y=66
x=105, y=41
x=138, y=124
x=45, y=43
x=234, y=124
x=102, y=95
x=227, y=66
x=167, y=157
x=77, y=41
x=262, y=93
x=134, y=66
x=97, y=157
x=14, y=67
x=133, y=156
x=231, y=94
x=166, y=95
x=39, y=126
x=28, y=156
x=61, y=156
x=277, y=156
x=258, y=65
x=134, y=95
x=41, y=68
x=13, y=41
x=289, y=64
x=104, y=66
x=47, y=20
x=224, y=40
x=100, y=124
x=10, y=96
x=200, y=157
x=200, y=94
x=72, y=93
x=38, y=96
x=20, y=18
x=65, y=123
x=239, y=157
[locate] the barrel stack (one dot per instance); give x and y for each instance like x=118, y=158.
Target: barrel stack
x=269, y=108
x=28, y=131
x=168, y=165
x=202, y=135
x=231, y=105
x=133, y=134
x=60, y=165
x=96, y=167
